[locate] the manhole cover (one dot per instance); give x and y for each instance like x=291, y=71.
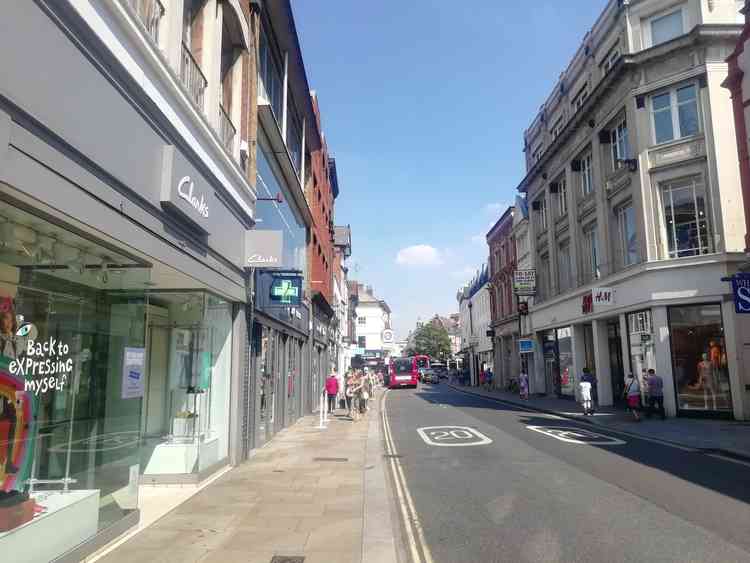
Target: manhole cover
x=330, y=459
x=288, y=559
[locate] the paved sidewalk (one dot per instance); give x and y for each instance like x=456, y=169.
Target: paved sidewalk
x=730, y=437
x=309, y=492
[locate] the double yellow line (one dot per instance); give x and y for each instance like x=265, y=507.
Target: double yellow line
x=420, y=552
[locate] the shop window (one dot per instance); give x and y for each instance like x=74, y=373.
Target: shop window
x=566, y=383
x=641, y=342
x=72, y=374
x=685, y=217
x=699, y=358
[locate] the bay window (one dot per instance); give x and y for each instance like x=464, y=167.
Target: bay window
x=685, y=217
x=675, y=113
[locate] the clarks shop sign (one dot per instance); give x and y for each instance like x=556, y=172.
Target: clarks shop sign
x=263, y=249
x=184, y=192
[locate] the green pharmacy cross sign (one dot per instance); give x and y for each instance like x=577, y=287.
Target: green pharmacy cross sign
x=286, y=290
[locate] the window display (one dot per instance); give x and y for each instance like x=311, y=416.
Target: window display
x=565, y=360
x=641, y=341
x=68, y=436
x=699, y=358
x=186, y=414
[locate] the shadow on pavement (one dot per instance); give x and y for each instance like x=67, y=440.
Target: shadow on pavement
x=725, y=477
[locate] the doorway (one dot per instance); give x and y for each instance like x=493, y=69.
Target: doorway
x=616, y=367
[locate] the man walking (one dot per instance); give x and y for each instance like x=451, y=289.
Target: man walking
x=332, y=390
x=655, y=394
x=591, y=378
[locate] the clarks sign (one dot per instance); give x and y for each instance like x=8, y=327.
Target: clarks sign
x=184, y=192
x=264, y=249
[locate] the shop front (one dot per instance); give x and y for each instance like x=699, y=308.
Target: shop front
x=279, y=350
x=686, y=341
x=122, y=297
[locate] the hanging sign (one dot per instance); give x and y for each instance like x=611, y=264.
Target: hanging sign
x=524, y=282
x=525, y=346
x=286, y=290
x=263, y=249
x=741, y=293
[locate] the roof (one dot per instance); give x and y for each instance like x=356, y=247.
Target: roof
x=507, y=215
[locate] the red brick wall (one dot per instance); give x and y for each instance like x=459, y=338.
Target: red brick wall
x=320, y=198
x=501, y=241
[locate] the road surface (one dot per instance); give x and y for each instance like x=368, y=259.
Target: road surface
x=495, y=482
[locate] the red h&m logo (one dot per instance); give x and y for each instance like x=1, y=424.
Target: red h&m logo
x=587, y=303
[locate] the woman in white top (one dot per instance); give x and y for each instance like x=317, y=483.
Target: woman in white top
x=633, y=393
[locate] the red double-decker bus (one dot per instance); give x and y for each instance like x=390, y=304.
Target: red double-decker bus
x=403, y=372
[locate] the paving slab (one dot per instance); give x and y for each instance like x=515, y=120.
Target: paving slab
x=285, y=500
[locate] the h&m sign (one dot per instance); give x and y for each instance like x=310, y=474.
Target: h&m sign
x=184, y=191
x=597, y=299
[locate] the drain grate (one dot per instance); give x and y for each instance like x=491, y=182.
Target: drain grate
x=288, y=559
x=330, y=459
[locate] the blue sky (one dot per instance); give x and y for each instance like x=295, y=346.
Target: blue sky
x=424, y=103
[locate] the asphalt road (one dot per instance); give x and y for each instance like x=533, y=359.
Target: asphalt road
x=532, y=496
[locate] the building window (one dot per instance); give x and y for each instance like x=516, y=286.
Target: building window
x=666, y=27
x=362, y=342
x=536, y=156
x=675, y=114
x=699, y=358
x=544, y=277
x=587, y=176
x=271, y=82
x=611, y=59
x=557, y=128
x=685, y=218
x=628, y=244
x=620, y=147
x=362, y=320
x=563, y=267
x=581, y=97
x=591, y=254
x=562, y=197
x=541, y=215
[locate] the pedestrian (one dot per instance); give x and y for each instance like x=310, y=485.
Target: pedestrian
x=655, y=394
x=585, y=390
x=633, y=393
x=589, y=377
x=332, y=390
x=351, y=382
x=523, y=385
x=488, y=376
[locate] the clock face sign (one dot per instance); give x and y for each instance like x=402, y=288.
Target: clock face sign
x=388, y=336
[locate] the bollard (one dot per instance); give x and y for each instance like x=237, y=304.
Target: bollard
x=323, y=417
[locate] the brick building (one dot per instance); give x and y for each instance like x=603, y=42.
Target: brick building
x=504, y=323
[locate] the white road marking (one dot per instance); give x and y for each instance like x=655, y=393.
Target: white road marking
x=452, y=436
x=577, y=436
x=406, y=503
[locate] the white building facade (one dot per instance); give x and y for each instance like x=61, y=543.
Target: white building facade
x=373, y=323
x=475, y=318
x=636, y=211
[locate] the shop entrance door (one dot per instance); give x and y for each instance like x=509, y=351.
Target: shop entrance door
x=154, y=421
x=616, y=368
